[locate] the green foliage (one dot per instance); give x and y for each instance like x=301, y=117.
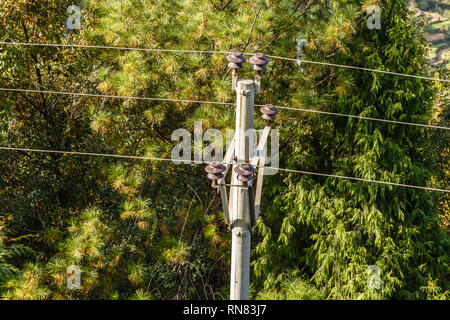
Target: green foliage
x=7, y=252
x=439, y=142
x=154, y=230
x=331, y=230
x=292, y=289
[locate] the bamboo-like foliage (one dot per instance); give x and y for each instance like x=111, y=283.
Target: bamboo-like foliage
x=331, y=230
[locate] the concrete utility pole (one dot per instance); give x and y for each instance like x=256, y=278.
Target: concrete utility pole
x=241, y=212
x=240, y=204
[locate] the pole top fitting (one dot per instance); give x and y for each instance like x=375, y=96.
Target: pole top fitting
x=268, y=113
x=236, y=59
x=259, y=62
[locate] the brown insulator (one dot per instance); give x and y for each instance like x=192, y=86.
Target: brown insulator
x=245, y=173
x=259, y=62
x=268, y=113
x=215, y=171
x=236, y=60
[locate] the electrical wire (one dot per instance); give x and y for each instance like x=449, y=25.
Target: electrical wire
x=113, y=96
x=221, y=103
x=358, y=68
x=360, y=117
x=60, y=45
x=363, y=180
x=201, y=162
x=217, y=52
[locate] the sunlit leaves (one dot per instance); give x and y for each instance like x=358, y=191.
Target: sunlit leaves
x=173, y=250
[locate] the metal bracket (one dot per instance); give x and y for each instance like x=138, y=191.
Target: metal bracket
x=259, y=184
x=243, y=92
x=224, y=197
x=252, y=207
x=234, y=79
x=255, y=198
x=258, y=160
x=261, y=146
x=257, y=82
x=222, y=188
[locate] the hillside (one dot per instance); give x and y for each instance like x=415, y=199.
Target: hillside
x=437, y=15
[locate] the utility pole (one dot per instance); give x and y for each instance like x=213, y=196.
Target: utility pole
x=241, y=212
x=240, y=216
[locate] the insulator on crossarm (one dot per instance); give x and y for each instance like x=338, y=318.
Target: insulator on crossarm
x=259, y=62
x=269, y=113
x=236, y=59
x=245, y=173
x=215, y=171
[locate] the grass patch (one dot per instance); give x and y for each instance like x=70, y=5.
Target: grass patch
x=440, y=25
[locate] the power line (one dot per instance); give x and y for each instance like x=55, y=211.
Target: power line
x=113, y=96
x=361, y=117
x=359, y=68
x=217, y=52
x=60, y=45
x=220, y=103
x=86, y=154
x=363, y=180
x=201, y=162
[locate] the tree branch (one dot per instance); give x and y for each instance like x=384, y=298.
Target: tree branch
x=253, y=26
